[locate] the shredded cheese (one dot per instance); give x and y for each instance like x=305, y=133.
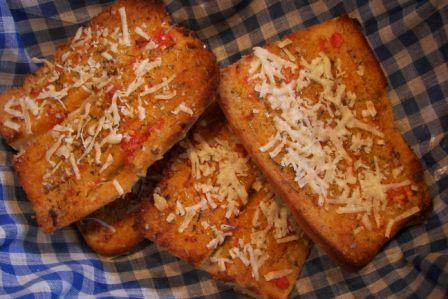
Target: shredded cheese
x=142, y=33
x=399, y=218
x=166, y=96
x=170, y=218
x=312, y=146
x=26, y=116
x=124, y=26
x=74, y=166
x=182, y=108
x=160, y=202
x=107, y=56
x=163, y=84
x=118, y=187
x=109, y=161
x=12, y=125
x=284, y=43
x=287, y=239
x=277, y=274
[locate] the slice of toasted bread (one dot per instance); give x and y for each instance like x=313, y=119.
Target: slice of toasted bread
x=182, y=222
x=313, y=113
x=100, y=149
x=197, y=217
x=113, y=229
x=279, y=255
x=91, y=60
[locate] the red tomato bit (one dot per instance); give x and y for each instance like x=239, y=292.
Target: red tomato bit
x=398, y=195
x=35, y=92
x=336, y=40
x=282, y=282
x=163, y=38
x=141, y=43
x=130, y=146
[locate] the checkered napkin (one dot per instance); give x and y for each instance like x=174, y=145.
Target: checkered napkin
x=409, y=39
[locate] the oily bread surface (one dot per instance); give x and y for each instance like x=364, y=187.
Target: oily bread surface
x=332, y=231
x=61, y=203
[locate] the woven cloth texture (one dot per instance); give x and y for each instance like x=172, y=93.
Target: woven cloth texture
x=409, y=38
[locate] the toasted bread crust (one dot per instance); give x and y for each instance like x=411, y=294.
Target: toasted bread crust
x=112, y=230
x=332, y=231
x=193, y=87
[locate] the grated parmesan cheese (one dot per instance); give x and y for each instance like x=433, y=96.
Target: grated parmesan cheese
x=160, y=202
x=124, y=26
x=118, y=187
x=399, y=218
x=74, y=166
x=12, y=125
x=109, y=161
x=277, y=274
x=142, y=33
x=170, y=218
x=313, y=146
x=182, y=108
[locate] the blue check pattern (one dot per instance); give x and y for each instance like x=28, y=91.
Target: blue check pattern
x=409, y=39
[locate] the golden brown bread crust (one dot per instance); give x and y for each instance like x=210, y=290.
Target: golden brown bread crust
x=192, y=244
x=112, y=230
x=332, y=231
x=66, y=197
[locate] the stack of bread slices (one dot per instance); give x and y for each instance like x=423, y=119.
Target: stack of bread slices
x=294, y=142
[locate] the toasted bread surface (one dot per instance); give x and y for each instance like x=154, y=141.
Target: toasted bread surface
x=260, y=255
x=280, y=261
x=312, y=111
x=188, y=233
x=100, y=149
x=112, y=230
x=83, y=66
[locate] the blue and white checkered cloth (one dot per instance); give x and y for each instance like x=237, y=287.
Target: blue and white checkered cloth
x=409, y=39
